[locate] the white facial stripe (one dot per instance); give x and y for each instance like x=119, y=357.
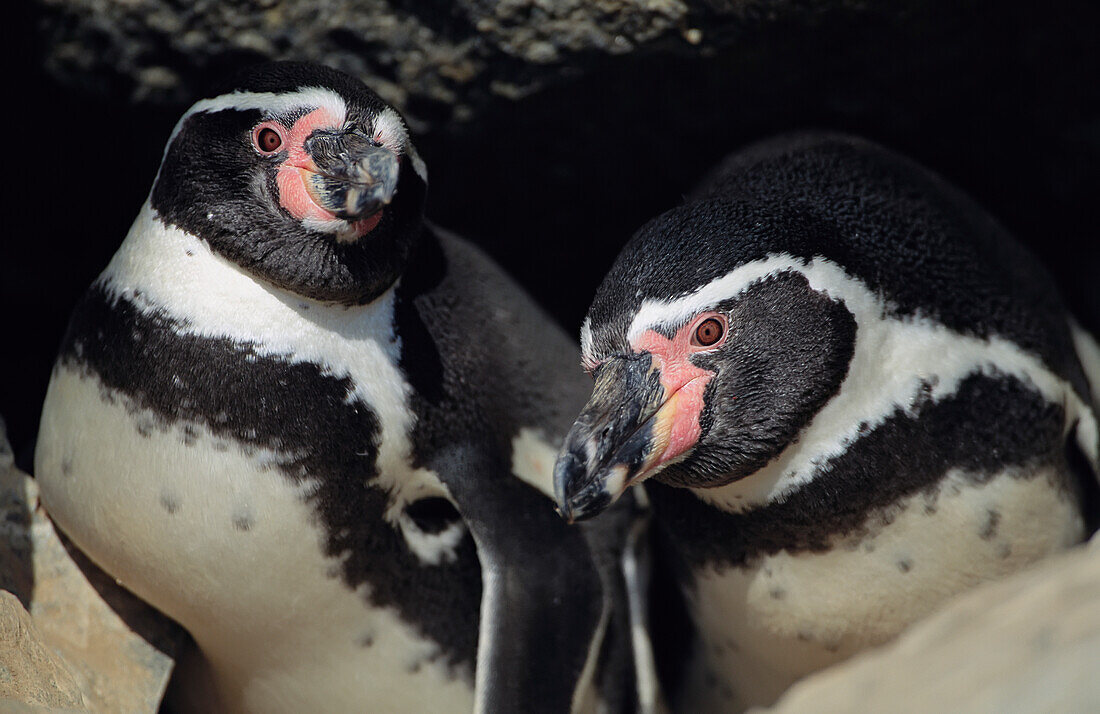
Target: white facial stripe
x=893, y=358
x=418, y=164
x=388, y=126
x=270, y=103
x=586, y=342
x=661, y=313
x=1088, y=351
x=390, y=130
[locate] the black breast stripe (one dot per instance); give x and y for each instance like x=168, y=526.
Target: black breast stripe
x=302, y=414
x=991, y=422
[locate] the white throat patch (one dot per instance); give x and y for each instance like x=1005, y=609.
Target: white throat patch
x=165, y=269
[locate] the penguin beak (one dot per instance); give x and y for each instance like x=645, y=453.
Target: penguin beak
x=619, y=439
x=351, y=177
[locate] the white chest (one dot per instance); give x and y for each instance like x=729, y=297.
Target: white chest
x=212, y=531
x=789, y=614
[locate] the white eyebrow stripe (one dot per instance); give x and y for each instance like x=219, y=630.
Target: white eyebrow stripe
x=827, y=277
x=272, y=103
x=388, y=125
x=390, y=130
x=586, y=340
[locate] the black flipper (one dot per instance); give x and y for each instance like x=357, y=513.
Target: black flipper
x=544, y=609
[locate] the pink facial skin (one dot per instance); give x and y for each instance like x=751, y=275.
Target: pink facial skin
x=291, y=176
x=684, y=384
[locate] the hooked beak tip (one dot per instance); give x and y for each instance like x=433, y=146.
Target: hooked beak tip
x=579, y=494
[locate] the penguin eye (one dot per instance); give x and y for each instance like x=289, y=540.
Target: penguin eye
x=708, y=332
x=267, y=138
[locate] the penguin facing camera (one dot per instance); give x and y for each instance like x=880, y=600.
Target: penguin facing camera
x=319, y=433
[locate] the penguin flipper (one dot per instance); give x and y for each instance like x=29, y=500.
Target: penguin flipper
x=543, y=607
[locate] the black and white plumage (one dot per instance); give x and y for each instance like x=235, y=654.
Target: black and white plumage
x=853, y=395
x=320, y=434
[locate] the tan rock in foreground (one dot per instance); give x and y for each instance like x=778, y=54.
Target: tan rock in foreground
x=100, y=648
x=31, y=672
x=1030, y=643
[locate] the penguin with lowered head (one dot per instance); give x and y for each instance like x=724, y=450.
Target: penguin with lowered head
x=850, y=395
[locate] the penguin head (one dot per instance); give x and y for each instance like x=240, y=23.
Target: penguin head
x=708, y=358
x=300, y=175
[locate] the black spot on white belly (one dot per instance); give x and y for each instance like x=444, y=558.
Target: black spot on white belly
x=904, y=564
x=174, y=379
x=243, y=521
x=170, y=502
x=989, y=528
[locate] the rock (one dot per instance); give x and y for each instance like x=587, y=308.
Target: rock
x=91, y=645
x=11, y=706
x=1026, y=644
x=426, y=57
x=30, y=671
x=16, y=547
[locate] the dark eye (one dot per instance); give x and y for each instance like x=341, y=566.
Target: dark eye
x=708, y=332
x=268, y=140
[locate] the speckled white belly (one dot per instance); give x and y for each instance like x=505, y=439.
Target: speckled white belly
x=765, y=626
x=223, y=542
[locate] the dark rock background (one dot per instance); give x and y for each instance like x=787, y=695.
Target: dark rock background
x=552, y=130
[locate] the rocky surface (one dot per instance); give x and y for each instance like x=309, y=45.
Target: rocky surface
x=30, y=672
x=70, y=637
x=432, y=58
x=1027, y=644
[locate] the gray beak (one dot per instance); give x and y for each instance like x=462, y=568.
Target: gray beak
x=614, y=441
x=355, y=178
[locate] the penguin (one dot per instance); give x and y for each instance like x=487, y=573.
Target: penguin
x=319, y=432
x=849, y=395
